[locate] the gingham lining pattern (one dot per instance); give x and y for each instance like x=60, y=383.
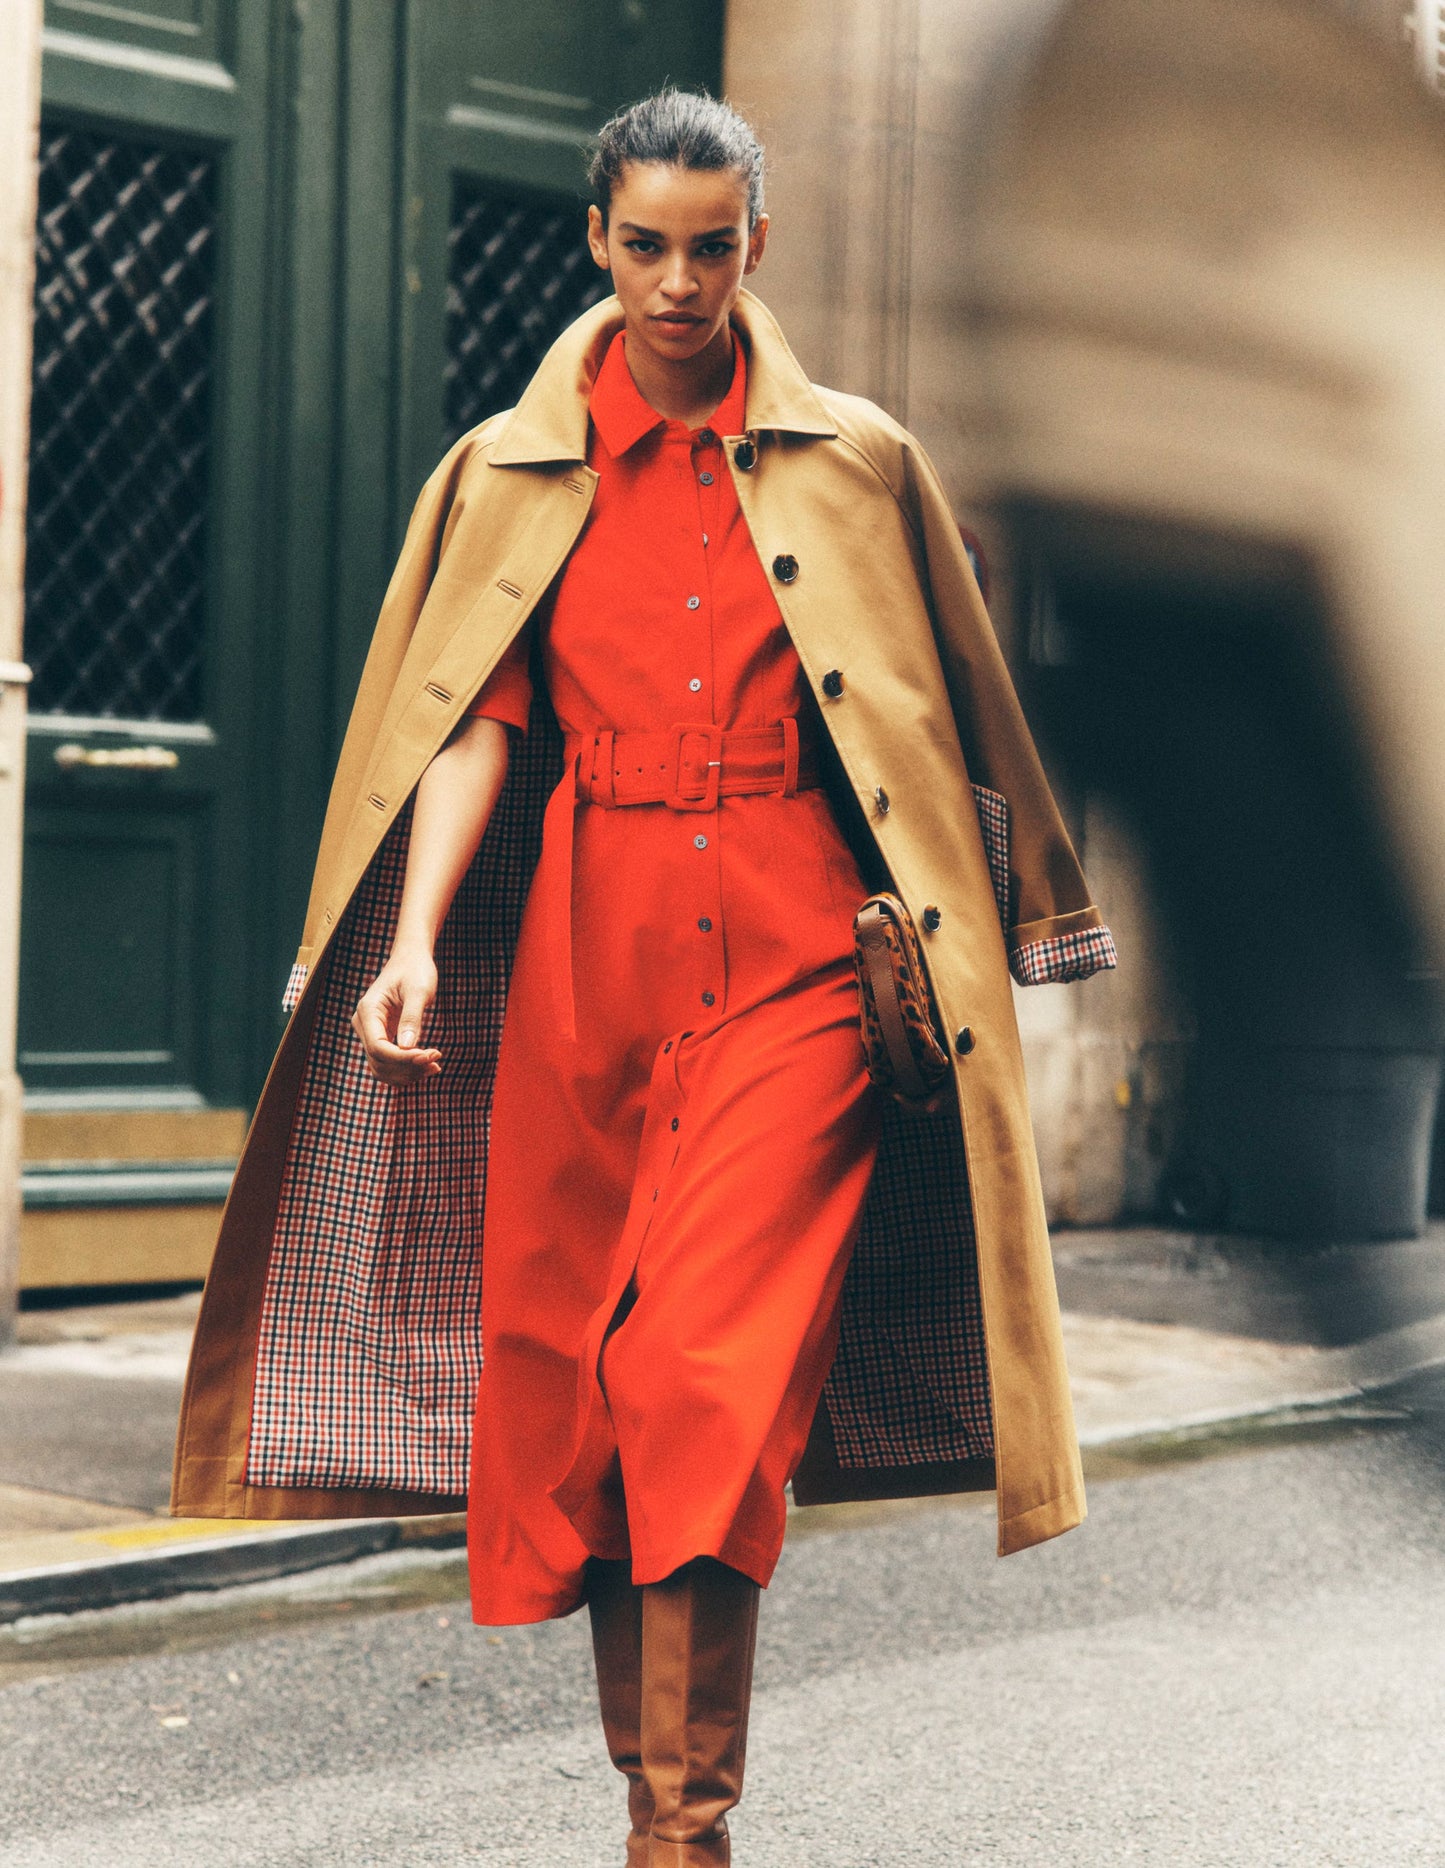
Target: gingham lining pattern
x=370, y=1343
x=1053, y=962
x=370, y=1351
x=295, y=986
x=993, y=822
x=1064, y=957
x=909, y=1383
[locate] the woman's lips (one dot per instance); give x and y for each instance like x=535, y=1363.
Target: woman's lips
x=682, y=319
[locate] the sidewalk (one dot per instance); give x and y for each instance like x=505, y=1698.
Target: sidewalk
x=88, y=1402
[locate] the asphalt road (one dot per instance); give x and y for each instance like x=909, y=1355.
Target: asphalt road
x=1239, y=1660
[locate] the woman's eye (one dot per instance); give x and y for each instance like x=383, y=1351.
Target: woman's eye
x=715, y=249
x=642, y=246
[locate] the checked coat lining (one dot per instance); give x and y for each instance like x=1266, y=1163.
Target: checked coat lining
x=370, y=1345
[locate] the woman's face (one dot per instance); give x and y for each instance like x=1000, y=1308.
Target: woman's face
x=678, y=247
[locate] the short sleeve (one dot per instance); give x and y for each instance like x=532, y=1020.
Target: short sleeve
x=506, y=694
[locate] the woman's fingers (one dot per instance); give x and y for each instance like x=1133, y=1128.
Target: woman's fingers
x=369, y=1020
x=402, y=1068
x=413, y=1010
x=398, y=1060
x=395, y=1066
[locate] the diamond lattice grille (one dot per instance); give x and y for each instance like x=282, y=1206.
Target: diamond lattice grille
x=119, y=443
x=519, y=273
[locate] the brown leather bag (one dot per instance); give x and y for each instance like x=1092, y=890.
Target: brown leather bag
x=902, y=1036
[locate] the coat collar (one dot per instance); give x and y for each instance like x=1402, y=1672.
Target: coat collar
x=622, y=416
x=550, y=421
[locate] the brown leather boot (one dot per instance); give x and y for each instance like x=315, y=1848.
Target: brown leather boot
x=615, y=1608
x=699, y=1627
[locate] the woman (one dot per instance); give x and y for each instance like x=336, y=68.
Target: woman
x=744, y=604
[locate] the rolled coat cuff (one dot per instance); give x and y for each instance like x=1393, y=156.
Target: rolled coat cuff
x=1061, y=949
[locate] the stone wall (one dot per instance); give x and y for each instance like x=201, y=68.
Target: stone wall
x=872, y=111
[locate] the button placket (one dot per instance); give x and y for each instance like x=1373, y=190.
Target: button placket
x=710, y=971
x=705, y=454
x=665, y=1095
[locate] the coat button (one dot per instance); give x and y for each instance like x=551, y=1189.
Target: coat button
x=963, y=1040
x=832, y=684
x=705, y=923
x=931, y=918
x=709, y=998
x=746, y=456
x=674, y=1125
x=880, y=798
x=785, y=567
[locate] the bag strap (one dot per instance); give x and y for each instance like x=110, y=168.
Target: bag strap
x=879, y=962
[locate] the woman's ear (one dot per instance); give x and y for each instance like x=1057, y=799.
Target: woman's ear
x=757, y=240
x=597, y=238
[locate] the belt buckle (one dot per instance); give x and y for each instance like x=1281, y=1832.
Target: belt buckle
x=675, y=799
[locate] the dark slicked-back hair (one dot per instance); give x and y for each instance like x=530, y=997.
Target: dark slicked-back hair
x=685, y=130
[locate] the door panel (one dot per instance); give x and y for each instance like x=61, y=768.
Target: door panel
x=142, y=551
x=197, y=29
x=125, y=879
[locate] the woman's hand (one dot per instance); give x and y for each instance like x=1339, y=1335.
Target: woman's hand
x=390, y=1016
x=453, y=801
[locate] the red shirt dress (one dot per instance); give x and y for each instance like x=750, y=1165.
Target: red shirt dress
x=683, y=1131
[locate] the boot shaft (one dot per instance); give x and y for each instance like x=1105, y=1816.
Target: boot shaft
x=699, y=1630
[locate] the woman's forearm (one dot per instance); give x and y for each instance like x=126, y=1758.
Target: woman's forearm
x=453, y=804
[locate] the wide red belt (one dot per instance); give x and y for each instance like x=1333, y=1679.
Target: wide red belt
x=688, y=768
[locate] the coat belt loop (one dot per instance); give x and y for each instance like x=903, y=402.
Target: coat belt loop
x=790, y=755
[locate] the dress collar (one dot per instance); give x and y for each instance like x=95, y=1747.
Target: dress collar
x=550, y=422
x=622, y=415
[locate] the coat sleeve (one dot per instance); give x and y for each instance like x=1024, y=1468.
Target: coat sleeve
x=506, y=694
x=1053, y=929
x=432, y=521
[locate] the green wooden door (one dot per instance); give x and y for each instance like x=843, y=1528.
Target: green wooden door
x=144, y=541
x=285, y=254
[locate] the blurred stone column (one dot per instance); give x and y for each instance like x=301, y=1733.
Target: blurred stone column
x=19, y=118
x=832, y=87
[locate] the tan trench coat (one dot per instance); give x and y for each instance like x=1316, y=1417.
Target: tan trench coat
x=884, y=597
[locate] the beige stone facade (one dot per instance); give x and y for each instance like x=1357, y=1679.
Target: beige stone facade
x=879, y=117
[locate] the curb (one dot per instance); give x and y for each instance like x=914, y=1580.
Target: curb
x=218, y=1562
x=1336, y=1378
x=222, y=1558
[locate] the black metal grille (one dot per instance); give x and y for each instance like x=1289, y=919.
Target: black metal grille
x=119, y=437
x=519, y=273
